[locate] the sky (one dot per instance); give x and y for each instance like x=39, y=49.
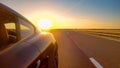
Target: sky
x=83, y=14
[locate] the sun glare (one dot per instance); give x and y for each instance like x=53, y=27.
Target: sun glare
x=44, y=24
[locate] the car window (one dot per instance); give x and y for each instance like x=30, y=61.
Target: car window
x=26, y=29
x=11, y=31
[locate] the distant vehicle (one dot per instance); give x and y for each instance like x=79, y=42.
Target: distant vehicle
x=22, y=45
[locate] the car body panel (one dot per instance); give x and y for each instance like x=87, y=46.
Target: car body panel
x=24, y=52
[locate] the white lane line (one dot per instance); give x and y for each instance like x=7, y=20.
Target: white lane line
x=96, y=63
x=38, y=64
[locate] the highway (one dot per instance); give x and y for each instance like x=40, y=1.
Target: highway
x=79, y=50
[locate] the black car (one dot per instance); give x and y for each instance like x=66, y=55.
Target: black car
x=22, y=45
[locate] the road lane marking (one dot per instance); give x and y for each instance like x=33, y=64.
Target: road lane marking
x=38, y=64
x=96, y=63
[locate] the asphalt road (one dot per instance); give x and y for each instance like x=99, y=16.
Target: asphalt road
x=78, y=50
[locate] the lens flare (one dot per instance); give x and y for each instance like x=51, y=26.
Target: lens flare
x=44, y=24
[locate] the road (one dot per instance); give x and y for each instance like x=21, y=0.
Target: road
x=78, y=50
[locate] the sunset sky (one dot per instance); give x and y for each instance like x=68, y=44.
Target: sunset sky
x=70, y=13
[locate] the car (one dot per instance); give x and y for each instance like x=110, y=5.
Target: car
x=22, y=45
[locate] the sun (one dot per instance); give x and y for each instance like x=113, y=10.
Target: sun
x=44, y=24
